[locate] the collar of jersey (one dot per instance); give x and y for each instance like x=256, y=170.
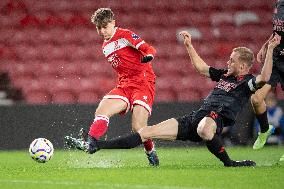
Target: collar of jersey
x=112, y=34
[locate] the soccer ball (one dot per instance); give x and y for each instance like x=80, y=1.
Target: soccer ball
x=41, y=150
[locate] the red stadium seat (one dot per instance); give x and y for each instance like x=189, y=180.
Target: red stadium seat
x=189, y=95
x=38, y=97
x=53, y=20
x=63, y=97
x=27, y=52
x=222, y=19
x=226, y=33
x=47, y=68
x=263, y=33
x=224, y=49
x=246, y=18
x=70, y=69
x=99, y=85
x=187, y=83
x=88, y=97
x=22, y=82
x=167, y=82
x=165, y=96
x=197, y=18
x=96, y=69
x=54, y=47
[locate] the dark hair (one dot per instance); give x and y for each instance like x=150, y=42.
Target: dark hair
x=102, y=17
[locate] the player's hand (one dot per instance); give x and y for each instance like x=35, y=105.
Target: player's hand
x=186, y=37
x=260, y=57
x=147, y=58
x=272, y=43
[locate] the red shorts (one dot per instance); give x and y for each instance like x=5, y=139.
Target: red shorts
x=142, y=95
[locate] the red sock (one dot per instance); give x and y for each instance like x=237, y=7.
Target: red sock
x=148, y=145
x=99, y=126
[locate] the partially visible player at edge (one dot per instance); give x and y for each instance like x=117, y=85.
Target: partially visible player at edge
x=277, y=76
x=130, y=56
x=233, y=89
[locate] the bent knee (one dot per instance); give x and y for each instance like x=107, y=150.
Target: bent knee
x=256, y=100
x=205, y=133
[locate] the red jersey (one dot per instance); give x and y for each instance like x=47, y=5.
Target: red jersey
x=124, y=51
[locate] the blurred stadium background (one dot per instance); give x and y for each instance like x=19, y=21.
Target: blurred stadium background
x=50, y=53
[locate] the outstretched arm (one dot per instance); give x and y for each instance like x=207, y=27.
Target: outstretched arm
x=265, y=74
x=196, y=61
x=262, y=52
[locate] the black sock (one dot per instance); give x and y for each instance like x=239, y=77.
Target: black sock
x=216, y=147
x=263, y=122
x=125, y=142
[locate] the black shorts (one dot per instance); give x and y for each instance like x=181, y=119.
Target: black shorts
x=277, y=75
x=187, y=125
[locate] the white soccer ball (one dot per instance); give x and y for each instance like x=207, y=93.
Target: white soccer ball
x=41, y=150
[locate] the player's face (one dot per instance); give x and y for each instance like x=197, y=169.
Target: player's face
x=106, y=31
x=234, y=64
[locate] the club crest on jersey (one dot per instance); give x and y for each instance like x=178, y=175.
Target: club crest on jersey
x=134, y=36
x=116, y=45
x=145, y=98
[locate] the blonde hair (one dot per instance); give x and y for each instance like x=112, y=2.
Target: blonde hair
x=246, y=55
x=102, y=16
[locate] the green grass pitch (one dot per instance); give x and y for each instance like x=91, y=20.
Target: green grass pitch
x=181, y=168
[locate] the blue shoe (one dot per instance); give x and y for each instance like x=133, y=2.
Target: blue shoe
x=153, y=158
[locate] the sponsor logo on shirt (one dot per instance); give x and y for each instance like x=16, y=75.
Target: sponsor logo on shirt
x=114, y=60
x=278, y=25
x=134, y=36
x=226, y=86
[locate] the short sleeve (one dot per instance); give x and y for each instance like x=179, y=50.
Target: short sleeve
x=216, y=74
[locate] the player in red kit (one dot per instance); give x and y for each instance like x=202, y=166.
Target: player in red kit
x=130, y=56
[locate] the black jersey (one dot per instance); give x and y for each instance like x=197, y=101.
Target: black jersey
x=278, y=52
x=229, y=95
x=278, y=23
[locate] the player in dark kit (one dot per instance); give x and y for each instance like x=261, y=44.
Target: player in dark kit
x=277, y=76
x=233, y=90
